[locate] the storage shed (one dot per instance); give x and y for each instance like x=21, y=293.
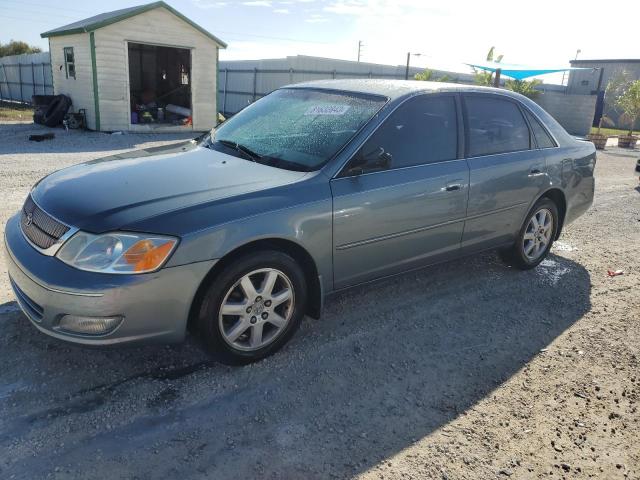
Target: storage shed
x=144, y=68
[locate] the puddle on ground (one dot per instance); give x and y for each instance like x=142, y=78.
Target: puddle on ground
x=551, y=271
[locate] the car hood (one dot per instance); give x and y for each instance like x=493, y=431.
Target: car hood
x=111, y=192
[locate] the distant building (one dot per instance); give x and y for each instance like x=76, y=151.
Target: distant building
x=595, y=80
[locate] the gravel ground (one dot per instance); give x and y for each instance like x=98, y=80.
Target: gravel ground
x=468, y=370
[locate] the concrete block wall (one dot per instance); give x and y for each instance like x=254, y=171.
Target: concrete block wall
x=573, y=112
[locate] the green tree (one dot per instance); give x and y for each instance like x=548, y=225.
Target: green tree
x=486, y=78
x=16, y=47
x=429, y=76
x=629, y=103
x=524, y=87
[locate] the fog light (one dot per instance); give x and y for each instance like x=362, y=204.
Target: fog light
x=89, y=325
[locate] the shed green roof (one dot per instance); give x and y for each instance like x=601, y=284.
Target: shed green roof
x=104, y=19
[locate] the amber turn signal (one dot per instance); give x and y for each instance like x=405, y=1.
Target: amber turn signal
x=145, y=255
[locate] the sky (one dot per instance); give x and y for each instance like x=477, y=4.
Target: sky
x=446, y=34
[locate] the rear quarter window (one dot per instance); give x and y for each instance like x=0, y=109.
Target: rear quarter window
x=543, y=139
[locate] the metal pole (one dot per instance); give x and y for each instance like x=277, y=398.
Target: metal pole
x=4, y=71
x=44, y=81
x=496, y=80
x=224, y=97
x=20, y=80
x=406, y=72
x=255, y=83
x=600, y=78
x=333, y=74
x=291, y=75
x=33, y=78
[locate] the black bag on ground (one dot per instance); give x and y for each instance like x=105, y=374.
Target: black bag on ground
x=40, y=104
x=56, y=110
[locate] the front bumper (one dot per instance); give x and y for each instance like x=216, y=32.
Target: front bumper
x=154, y=306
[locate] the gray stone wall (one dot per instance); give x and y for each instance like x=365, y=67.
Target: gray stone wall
x=573, y=112
x=584, y=82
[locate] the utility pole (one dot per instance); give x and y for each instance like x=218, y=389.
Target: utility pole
x=406, y=72
x=360, y=45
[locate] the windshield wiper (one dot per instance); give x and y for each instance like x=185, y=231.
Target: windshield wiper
x=286, y=164
x=263, y=159
x=253, y=156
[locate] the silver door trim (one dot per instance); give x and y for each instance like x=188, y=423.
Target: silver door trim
x=390, y=236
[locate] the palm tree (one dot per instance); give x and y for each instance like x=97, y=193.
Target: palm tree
x=524, y=87
x=486, y=78
x=428, y=76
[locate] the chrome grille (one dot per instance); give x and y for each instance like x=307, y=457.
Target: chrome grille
x=40, y=228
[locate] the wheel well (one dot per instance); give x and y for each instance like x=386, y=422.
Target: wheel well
x=303, y=257
x=557, y=197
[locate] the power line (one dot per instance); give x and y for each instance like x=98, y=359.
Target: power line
x=285, y=39
x=46, y=15
x=32, y=20
x=228, y=32
x=360, y=45
x=45, y=5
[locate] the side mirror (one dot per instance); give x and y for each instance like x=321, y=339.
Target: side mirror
x=373, y=161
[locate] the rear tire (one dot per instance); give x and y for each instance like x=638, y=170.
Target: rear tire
x=252, y=307
x=535, y=237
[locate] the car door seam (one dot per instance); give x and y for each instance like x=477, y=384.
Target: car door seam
x=396, y=235
x=423, y=229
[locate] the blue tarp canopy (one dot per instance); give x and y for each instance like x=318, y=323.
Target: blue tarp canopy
x=519, y=72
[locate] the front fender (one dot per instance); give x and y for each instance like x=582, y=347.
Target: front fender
x=307, y=225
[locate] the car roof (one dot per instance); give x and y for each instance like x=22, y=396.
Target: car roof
x=399, y=89
x=394, y=89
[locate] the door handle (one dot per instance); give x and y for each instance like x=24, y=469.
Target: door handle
x=535, y=172
x=452, y=187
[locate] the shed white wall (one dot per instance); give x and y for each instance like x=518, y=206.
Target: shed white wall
x=159, y=27
x=80, y=89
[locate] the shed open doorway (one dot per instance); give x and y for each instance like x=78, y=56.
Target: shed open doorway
x=160, y=86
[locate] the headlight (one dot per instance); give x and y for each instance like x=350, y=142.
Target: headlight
x=117, y=252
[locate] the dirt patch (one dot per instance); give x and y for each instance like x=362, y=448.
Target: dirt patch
x=468, y=370
x=10, y=111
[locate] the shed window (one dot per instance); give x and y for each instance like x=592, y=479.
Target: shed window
x=69, y=62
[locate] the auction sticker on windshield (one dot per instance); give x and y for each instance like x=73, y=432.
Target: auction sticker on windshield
x=327, y=110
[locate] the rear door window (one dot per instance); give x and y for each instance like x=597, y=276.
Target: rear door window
x=422, y=130
x=543, y=138
x=495, y=125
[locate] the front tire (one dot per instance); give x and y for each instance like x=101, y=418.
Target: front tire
x=253, y=307
x=536, y=236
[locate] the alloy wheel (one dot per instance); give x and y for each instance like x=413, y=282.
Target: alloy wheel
x=256, y=309
x=537, y=235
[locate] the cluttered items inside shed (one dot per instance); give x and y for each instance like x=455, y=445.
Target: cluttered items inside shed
x=160, y=85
